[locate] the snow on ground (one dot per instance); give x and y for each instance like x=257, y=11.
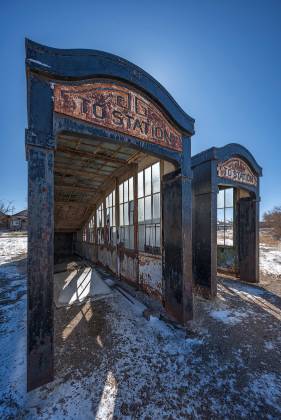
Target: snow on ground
x=113, y=363
x=11, y=245
x=270, y=260
x=12, y=326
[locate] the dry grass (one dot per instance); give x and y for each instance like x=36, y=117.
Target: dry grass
x=267, y=238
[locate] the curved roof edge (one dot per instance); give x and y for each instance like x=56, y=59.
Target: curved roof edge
x=78, y=64
x=226, y=152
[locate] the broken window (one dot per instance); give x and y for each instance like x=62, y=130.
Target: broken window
x=100, y=224
x=149, y=209
x=110, y=218
x=126, y=213
x=225, y=217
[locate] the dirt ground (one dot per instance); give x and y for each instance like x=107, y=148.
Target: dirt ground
x=113, y=363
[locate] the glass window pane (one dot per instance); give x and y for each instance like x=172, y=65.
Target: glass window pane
x=220, y=237
x=140, y=184
x=126, y=214
x=148, y=235
x=228, y=234
x=156, y=177
x=121, y=193
x=131, y=212
x=221, y=199
x=141, y=210
x=229, y=197
x=126, y=190
x=156, y=207
x=113, y=217
x=147, y=181
x=229, y=215
x=141, y=237
x=131, y=189
x=121, y=215
x=131, y=238
x=126, y=236
x=147, y=205
x=157, y=239
x=220, y=216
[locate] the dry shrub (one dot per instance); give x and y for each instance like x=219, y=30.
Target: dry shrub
x=272, y=220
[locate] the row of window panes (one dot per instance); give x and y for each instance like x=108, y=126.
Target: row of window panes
x=149, y=208
x=110, y=209
x=149, y=180
x=126, y=203
x=148, y=211
x=100, y=219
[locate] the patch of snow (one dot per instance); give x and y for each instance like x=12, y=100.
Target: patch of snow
x=227, y=316
x=267, y=386
x=11, y=247
x=269, y=345
x=270, y=260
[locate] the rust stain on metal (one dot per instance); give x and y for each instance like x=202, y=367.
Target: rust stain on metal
x=113, y=105
x=236, y=170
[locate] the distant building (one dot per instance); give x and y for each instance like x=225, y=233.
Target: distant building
x=4, y=220
x=18, y=221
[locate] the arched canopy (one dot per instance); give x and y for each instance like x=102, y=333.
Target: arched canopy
x=82, y=64
x=233, y=165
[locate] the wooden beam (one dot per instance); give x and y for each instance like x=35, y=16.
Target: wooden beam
x=90, y=155
x=66, y=169
x=80, y=203
x=78, y=188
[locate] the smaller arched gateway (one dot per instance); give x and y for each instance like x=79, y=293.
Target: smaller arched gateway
x=225, y=216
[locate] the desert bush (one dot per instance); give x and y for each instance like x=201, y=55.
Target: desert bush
x=272, y=220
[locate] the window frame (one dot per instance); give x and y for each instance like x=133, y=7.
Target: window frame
x=100, y=223
x=224, y=224
x=126, y=213
x=147, y=192
x=110, y=205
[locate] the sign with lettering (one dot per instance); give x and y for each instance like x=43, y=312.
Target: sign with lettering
x=236, y=170
x=115, y=106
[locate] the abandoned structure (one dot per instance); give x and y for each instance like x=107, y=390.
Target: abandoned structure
x=18, y=221
x=110, y=179
x=4, y=220
x=225, y=216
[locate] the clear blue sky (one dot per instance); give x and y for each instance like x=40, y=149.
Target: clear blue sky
x=220, y=59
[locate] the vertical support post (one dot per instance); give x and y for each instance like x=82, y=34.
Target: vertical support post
x=177, y=239
x=40, y=146
x=40, y=346
x=186, y=211
x=136, y=220
x=117, y=221
x=204, y=225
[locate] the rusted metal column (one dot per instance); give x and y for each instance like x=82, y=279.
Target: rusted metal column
x=40, y=263
x=186, y=178
x=136, y=221
x=117, y=222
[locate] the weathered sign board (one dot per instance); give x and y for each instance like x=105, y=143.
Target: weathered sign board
x=115, y=106
x=237, y=170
